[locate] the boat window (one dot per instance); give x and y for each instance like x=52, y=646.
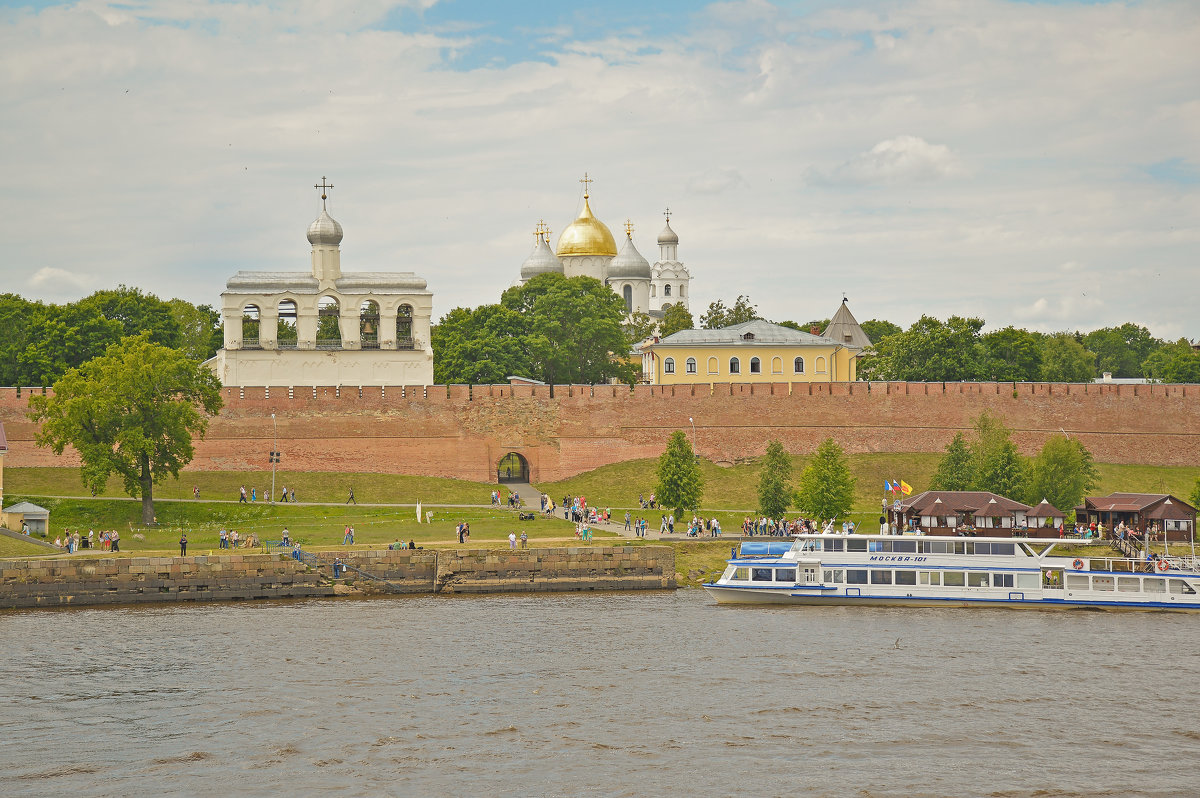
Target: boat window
x=810, y=575
x=1002, y=580
x=931, y=577
x=980, y=548
x=1052, y=579
x=856, y=545
x=741, y=574
x=977, y=579
x=856, y=577
x=1007, y=549
x=953, y=579
x=1181, y=588
x=1103, y=583
x=906, y=577
x=881, y=577
x=810, y=545
x=908, y=546
x=1077, y=581
x=785, y=574
x=833, y=575
x=1129, y=584
x=1152, y=585
x=1027, y=581
x=833, y=545
x=879, y=545
x=957, y=547
x=966, y=547
x=761, y=574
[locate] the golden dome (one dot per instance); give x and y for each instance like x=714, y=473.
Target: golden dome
x=587, y=235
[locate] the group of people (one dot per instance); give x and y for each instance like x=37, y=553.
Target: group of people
x=704, y=526
x=512, y=540
x=110, y=540
x=647, y=504
x=229, y=539
x=285, y=495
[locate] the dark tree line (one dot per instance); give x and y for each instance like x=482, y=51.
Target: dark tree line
x=42, y=341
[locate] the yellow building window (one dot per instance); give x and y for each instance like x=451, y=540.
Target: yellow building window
x=777, y=365
x=712, y=366
x=820, y=365
x=798, y=365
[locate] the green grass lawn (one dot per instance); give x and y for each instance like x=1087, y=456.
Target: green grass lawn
x=314, y=525
x=224, y=485
x=19, y=548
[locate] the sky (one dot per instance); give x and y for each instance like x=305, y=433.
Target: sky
x=1030, y=163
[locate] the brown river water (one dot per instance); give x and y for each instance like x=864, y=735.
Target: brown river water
x=649, y=694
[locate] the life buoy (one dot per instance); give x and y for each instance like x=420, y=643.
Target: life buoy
x=1077, y=565
x=1163, y=565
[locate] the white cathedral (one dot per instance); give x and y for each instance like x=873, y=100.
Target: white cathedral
x=587, y=248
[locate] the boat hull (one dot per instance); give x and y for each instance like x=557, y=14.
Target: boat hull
x=737, y=595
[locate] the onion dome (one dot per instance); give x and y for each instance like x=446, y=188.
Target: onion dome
x=541, y=261
x=325, y=231
x=587, y=235
x=629, y=263
x=668, y=236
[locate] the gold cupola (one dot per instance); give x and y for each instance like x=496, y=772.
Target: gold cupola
x=587, y=235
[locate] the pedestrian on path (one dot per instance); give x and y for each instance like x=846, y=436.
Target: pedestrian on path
x=512, y=540
x=626, y=520
x=242, y=495
x=183, y=545
x=524, y=540
x=351, y=499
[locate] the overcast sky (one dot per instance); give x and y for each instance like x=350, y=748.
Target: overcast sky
x=1033, y=163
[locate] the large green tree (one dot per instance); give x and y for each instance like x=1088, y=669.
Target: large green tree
x=954, y=470
x=826, y=487
x=1177, y=362
x=996, y=466
x=675, y=318
x=200, y=333
x=483, y=346
x=680, y=483
x=1121, y=351
x=878, y=329
x=718, y=316
x=1014, y=355
x=775, y=482
x=137, y=313
x=929, y=350
x=1062, y=473
x=132, y=412
x=1065, y=360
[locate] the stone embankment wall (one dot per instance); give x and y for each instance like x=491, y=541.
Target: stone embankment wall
x=238, y=577
x=462, y=431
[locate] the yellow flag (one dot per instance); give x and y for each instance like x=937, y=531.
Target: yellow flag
x=905, y=488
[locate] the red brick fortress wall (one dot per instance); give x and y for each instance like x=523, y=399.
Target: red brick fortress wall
x=463, y=431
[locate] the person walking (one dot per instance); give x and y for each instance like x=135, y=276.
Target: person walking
x=183, y=545
x=350, y=499
x=116, y=541
x=512, y=540
x=242, y=495
x=524, y=540
x=626, y=520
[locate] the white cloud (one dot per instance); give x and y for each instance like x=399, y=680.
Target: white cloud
x=1000, y=141
x=903, y=159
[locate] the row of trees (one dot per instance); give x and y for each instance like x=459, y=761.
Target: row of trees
x=1061, y=473
x=42, y=342
x=958, y=350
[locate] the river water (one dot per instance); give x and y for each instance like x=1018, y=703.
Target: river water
x=648, y=694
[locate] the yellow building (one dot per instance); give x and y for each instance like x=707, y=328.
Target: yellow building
x=754, y=351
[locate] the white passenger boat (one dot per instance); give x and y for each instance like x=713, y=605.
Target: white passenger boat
x=886, y=570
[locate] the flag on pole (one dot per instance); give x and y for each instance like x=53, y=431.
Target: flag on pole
x=905, y=488
x=887, y=486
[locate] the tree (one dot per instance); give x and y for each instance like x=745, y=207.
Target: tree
x=1065, y=360
x=1014, y=355
x=675, y=318
x=483, y=346
x=138, y=313
x=1195, y=497
x=1121, y=351
x=954, y=470
x=930, y=350
x=133, y=412
x=1062, y=473
x=200, y=333
x=638, y=327
x=1177, y=362
x=996, y=466
x=774, y=482
x=574, y=326
x=826, y=487
x=878, y=329
x=719, y=316
x=680, y=483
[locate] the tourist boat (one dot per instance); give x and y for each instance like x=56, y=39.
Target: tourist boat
x=921, y=571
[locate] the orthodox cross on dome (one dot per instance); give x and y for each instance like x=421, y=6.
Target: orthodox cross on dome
x=324, y=187
x=541, y=230
x=667, y=213
x=586, y=180
x=628, y=228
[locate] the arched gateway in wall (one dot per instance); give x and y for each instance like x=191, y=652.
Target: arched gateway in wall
x=512, y=468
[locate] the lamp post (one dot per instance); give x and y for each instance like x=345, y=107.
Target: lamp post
x=695, y=453
x=274, y=454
